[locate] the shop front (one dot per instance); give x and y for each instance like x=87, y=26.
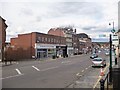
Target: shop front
x=44, y=50
x=61, y=50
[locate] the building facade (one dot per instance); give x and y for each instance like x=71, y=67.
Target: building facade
x=85, y=43
x=3, y=27
x=38, y=45
x=66, y=32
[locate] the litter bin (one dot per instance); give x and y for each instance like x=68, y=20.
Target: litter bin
x=116, y=78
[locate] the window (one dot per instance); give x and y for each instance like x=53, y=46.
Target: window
x=39, y=38
x=42, y=39
x=48, y=39
x=51, y=39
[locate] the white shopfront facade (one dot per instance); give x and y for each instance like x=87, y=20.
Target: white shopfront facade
x=44, y=50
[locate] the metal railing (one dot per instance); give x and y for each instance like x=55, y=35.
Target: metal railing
x=104, y=83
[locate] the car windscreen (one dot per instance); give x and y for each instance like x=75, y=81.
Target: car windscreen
x=97, y=60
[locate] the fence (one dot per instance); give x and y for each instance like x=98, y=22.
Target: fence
x=104, y=82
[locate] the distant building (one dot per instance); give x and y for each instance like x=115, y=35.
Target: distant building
x=3, y=27
x=85, y=43
x=66, y=32
x=35, y=44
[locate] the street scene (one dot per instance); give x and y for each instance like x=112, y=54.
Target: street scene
x=58, y=73
x=59, y=44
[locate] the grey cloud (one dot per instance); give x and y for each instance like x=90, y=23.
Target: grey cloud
x=38, y=18
x=27, y=11
x=95, y=29
x=89, y=28
x=76, y=8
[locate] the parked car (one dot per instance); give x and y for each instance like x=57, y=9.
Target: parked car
x=94, y=55
x=106, y=53
x=98, y=62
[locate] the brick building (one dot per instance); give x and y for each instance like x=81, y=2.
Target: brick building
x=66, y=32
x=36, y=44
x=3, y=27
x=85, y=43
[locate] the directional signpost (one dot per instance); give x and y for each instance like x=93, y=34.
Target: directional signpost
x=113, y=30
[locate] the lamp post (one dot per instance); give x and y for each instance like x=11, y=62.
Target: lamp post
x=110, y=66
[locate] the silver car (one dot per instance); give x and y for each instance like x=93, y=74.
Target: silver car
x=98, y=62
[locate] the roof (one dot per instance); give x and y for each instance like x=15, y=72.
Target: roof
x=4, y=21
x=82, y=35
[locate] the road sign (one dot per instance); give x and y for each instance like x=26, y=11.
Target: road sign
x=113, y=30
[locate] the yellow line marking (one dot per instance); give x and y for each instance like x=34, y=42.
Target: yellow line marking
x=99, y=78
x=82, y=70
x=77, y=74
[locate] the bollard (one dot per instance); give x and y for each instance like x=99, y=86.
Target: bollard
x=115, y=60
x=102, y=84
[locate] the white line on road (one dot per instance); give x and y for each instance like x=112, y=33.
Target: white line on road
x=82, y=70
x=18, y=71
x=78, y=74
x=12, y=76
x=36, y=68
x=49, y=68
x=66, y=61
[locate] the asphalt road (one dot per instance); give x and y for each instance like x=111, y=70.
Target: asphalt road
x=59, y=73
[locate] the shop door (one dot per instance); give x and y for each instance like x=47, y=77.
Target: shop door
x=38, y=54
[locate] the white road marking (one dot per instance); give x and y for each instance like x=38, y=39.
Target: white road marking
x=66, y=61
x=49, y=68
x=78, y=74
x=82, y=70
x=18, y=71
x=69, y=63
x=12, y=76
x=36, y=68
x=77, y=82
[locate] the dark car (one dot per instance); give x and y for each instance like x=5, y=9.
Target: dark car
x=94, y=55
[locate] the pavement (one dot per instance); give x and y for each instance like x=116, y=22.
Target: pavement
x=90, y=79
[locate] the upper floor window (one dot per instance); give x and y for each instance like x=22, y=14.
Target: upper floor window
x=42, y=39
x=39, y=38
x=46, y=39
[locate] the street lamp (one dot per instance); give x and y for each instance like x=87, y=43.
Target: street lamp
x=110, y=66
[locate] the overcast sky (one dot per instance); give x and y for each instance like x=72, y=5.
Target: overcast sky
x=87, y=16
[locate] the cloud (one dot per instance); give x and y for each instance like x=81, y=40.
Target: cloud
x=89, y=17
x=26, y=11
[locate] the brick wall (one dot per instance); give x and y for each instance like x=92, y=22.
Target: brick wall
x=23, y=46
